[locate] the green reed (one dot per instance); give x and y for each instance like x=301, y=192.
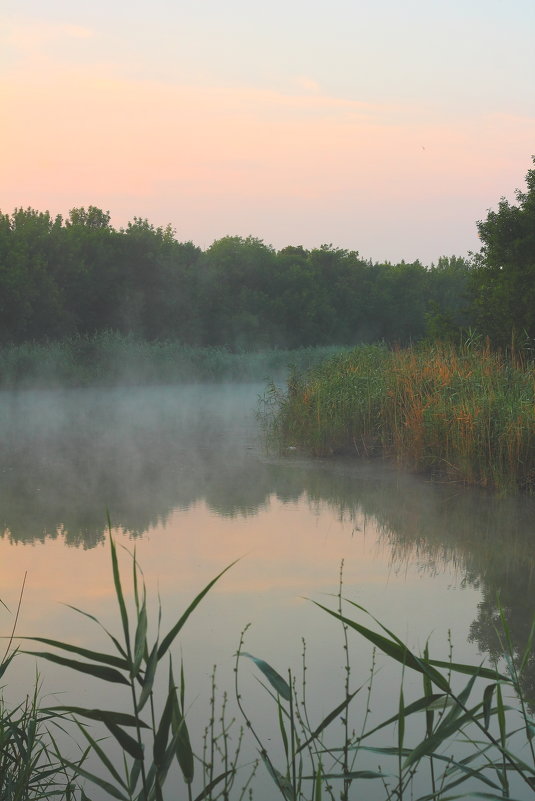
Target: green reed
x=154, y=734
x=457, y=741
x=463, y=740
x=29, y=768
x=109, y=358
x=465, y=413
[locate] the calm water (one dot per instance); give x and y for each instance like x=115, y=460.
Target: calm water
x=187, y=482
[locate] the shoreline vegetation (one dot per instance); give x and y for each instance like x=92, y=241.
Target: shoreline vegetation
x=458, y=728
x=110, y=358
x=463, y=414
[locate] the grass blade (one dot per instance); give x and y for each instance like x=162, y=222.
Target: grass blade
x=392, y=648
x=209, y=787
x=140, y=641
x=126, y=741
x=94, y=619
x=102, y=715
x=487, y=704
x=328, y=719
x=98, y=671
x=119, y=594
x=102, y=783
x=96, y=656
x=279, y=684
x=170, y=636
x=183, y=750
x=148, y=679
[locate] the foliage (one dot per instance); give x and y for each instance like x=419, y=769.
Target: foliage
x=466, y=413
x=80, y=276
x=441, y=742
x=150, y=741
x=503, y=281
x=29, y=767
x=109, y=358
x=462, y=740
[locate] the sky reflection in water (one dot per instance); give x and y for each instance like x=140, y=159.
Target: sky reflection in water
x=187, y=482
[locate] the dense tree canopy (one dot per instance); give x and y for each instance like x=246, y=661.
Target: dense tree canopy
x=80, y=275
x=503, y=280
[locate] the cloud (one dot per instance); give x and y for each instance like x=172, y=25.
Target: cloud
x=307, y=84
x=215, y=158
x=27, y=38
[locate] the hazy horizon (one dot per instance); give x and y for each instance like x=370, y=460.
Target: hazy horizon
x=389, y=129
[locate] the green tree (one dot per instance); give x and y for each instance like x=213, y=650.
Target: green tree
x=503, y=279
x=32, y=302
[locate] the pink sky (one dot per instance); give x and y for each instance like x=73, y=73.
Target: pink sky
x=289, y=156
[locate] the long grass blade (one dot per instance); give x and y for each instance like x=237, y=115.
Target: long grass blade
x=96, y=656
x=183, y=750
x=98, y=671
x=213, y=784
x=148, y=679
x=351, y=774
x=283, y=784
x=119, y=593
x=102, y=715
x=170, y=636
x=7, y=661
x=94, y=619
x=162, y=734
x=275, y=679
x=391, y=648
x=126, y=741
x=282, y=730
x=140, y=640
x=102, y=783
x=430, y=745
x=487, y=704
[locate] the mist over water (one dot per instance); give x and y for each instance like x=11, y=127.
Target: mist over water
x=185, y=477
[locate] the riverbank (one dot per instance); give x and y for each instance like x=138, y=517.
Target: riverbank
x=463, y=414
x=110, y=358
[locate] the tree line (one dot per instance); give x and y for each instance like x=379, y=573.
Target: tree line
x=80, y=275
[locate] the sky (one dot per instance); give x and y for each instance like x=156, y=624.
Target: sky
x=384, y=127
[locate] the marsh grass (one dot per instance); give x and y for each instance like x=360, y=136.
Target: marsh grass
x=29, y=767
x=110, y=358
x=465, y=413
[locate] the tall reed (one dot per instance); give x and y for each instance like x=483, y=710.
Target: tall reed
x=465, y=739
x=110, y=358
x=462, y=413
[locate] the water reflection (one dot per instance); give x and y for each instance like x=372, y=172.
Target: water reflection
x=67, y=457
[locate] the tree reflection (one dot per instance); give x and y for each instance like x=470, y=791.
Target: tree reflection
x=67, y=458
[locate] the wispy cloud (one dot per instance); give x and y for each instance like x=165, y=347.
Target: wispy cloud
x=29, y=37
x=88, y=135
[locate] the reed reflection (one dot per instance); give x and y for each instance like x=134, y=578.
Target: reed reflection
x=67, y=457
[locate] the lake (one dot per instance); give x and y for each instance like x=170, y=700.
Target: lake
x=187, y=482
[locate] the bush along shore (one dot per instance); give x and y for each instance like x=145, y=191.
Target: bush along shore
x=459, y=731
x=462, y=413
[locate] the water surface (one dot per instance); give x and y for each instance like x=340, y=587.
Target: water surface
x=186, y=480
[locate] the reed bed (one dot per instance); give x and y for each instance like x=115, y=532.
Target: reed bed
x=111, y=358
x=463, y=413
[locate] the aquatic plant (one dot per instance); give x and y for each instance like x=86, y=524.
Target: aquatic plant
x=453, y=740
x=29, y=767
x=465, y=413
x=111, y=358
x=150, y=740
